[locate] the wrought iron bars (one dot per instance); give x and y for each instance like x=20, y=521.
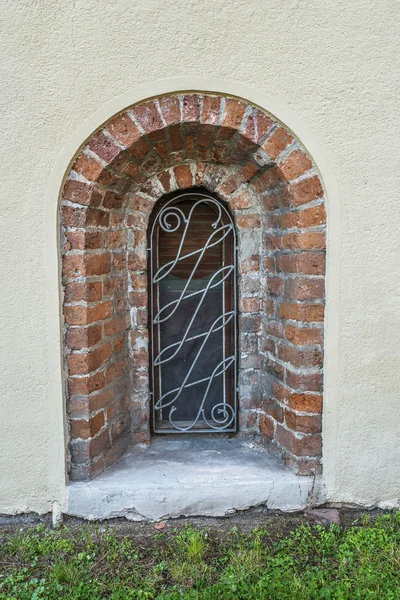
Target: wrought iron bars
x=221, y=415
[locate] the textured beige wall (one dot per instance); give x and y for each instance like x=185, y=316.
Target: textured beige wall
x=329, y=71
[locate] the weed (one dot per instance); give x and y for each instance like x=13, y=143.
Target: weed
x=361, y=562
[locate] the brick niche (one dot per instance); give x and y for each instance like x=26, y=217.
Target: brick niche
x=240, y=153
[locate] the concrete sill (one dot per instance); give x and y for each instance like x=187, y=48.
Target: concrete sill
x=192, y=476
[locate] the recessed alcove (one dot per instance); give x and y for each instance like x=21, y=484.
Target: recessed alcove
x=242, y=157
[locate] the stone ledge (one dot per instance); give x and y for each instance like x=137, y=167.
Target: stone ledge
x=200, y=476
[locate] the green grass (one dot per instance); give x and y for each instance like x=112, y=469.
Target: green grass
x=358, y=562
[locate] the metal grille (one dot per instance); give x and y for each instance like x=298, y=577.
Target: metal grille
x=193, y=316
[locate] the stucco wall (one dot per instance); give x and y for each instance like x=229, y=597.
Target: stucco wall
x=328, y=71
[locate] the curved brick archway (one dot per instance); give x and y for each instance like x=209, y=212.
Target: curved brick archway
x=241, y=153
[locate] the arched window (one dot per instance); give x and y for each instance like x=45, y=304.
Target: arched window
x=192, y=244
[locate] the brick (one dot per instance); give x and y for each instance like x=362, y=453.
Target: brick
x=304, y=241
x=300, y=358
x=98, y=400
x=309, y=217
x=141, y=204
x=305, y=289
x=88, y=167
x=243, y=148
x=73, y=265
x=307, y=466
x=271, y=201
x=73, y=217
x=118, y=261
x=138, y=298
x=140, y=359
x=249, y=129
x=114, y=284
x=183, y=176
x=139, y=281
x=83, y=337
x=307, y=445
x=141, y=316
x=230, y=185
x=175, y=138
x=247, y=171
x=233, y=114
x=248, y=221
x=267, y=344
x=273, y=409
x=307, y=263
x=303, y=423
x=280, y=392
x=124, y=130
x=80, y=364
x=251, y=361
x=250, y=324
x=272, y=241
x=277, y=142
x=100, y=444
x=269, y=264
x=137, y=220
x=211, y=110
x=264, y=122
x=84, y=315
x=87, y=291
x=148, y=117
x=139, y=149
x=119, y=343
x=83, y=240
x=274, y=368
x=241, y=201
x=249, y=265
x=267, y=427
x=268, y=306
x=306, y=190
x=249, y=305
x=137, y=260
x=303, y=336
x=97, y=264
x=275, y=286
x=120, y=426
x=305, y=402
x=77, y=191
x=84, y=429
x=116, y=325
x=97, y=218
x=274, y=328
x=170, y=109
x=115, y=371
x=295, y=165
x=104, y=147
x=272, y=178
x=306, y=383
x=165, y=179
x=115, y=239
x=191, y=108
x=150, y=165
x=79, y=265
x=86, y=385
x=112, y=200
x=301, y=312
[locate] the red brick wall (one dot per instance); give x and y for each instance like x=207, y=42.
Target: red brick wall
x=239, y=152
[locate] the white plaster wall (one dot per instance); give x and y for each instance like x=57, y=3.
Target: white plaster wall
x=327, y=69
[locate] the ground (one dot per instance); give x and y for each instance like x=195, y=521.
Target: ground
x=255, y=554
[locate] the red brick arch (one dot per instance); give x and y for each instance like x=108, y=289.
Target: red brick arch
x=244, y=155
